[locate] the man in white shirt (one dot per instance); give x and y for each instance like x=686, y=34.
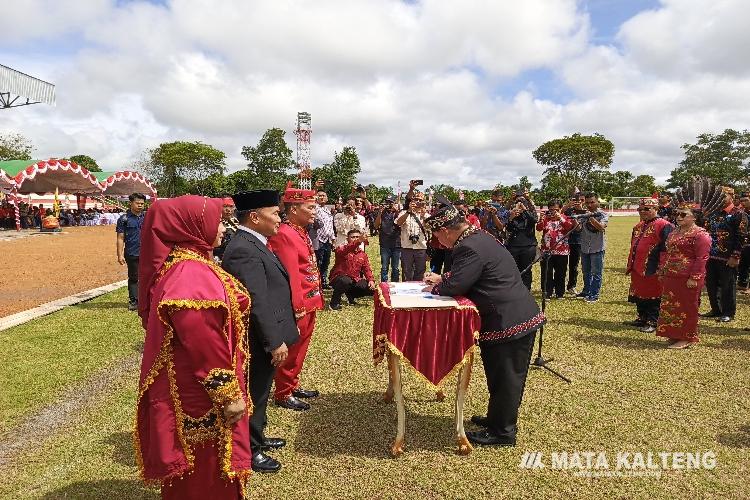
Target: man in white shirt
x=324, y=234
x=414, y=239
x=346, y=221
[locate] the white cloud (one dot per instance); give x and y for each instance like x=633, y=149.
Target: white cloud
x=411, y=86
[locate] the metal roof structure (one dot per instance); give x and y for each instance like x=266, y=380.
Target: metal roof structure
x=20, y=89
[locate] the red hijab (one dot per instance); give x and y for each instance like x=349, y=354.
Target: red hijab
x=188, y=221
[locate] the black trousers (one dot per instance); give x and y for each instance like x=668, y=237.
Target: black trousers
x=553, y=274
x=323, y=256
x=353, y=289
x=743, y=270
x=721, y=285
x=573, y=260
x=524, y=256
x=261, y=378
x=648, y=310
x=506, y=366
x=132, y=262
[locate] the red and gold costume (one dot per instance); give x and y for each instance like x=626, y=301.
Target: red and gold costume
x=293, y=247
x=686, y=258
x=646, y=253
x=194, y=357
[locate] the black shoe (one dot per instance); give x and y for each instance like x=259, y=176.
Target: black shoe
x=480, y=421
x=272, y=444
x=647, y=329
x=263, y=463
x=724, y=319
x=292, y=403
x=305, y=393
x=334, y=307
x=711, y=314
x=132, y=306
x=487, y=438
x=637, y=323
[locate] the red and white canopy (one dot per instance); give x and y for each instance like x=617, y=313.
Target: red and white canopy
x=67, y=176
x=6, y=182
x=126, y=182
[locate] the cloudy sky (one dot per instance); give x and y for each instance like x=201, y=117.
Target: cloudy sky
x=453, y=92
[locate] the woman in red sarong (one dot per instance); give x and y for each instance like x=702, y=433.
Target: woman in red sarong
x=682, y=277
x=192, y=433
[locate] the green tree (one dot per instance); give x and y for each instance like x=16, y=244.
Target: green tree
x=15, y=147
x=642, y=185
x=268, y=162
x=340, y=175
x=377, y=194
x=444, y=189
x=721, y=157
x=573, y=158
x=177, y=166
x=87, y=162
x=553, y=187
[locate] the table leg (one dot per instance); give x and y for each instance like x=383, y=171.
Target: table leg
x=464, y=377
x=388, y=394
x=394, y=374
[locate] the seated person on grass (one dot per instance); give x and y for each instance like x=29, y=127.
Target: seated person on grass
x=351, y=273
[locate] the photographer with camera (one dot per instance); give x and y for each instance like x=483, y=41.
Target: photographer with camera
x=414, y=238
x=555, y=228
x=522, y=241
x=593, y=224
x=494, y=216
x=347, y=220
x=390, y=239
x=574, y=207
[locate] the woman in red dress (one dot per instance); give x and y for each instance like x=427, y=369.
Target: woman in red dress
x=192, y=432
x=682, y=277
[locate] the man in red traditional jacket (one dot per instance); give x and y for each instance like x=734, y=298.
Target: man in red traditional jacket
x=647, y=246
x=293, y=247
x=351, y=274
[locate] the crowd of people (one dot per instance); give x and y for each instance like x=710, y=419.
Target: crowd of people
x=32, y=216
x=229, y=291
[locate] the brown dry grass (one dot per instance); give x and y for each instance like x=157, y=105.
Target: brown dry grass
x=45, y=267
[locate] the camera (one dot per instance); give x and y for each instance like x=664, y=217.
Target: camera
x=595, y=215
x=418, y=182
x=414, y=238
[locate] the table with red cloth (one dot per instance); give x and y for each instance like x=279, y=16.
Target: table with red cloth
x=437, y=342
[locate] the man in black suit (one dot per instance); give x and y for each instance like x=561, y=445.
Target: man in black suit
x=485, y=272
x=272, y=325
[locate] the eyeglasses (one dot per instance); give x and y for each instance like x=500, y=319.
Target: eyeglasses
x=683, y=214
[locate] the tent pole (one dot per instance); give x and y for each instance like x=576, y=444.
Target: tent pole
x=14, y=192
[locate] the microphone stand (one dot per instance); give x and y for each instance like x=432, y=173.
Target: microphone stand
x=540, y=361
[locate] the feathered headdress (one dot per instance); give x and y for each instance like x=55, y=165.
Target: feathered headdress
x=700, y=194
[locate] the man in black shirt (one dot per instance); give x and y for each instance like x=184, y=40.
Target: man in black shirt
x=390, y=239
x=485, y=272
x=521, y=233
x=574, y=207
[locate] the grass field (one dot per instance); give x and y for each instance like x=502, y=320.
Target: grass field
x=629, y=394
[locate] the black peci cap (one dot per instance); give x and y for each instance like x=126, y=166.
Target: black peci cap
x=259, y=198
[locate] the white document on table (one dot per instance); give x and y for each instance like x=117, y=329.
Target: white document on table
x=411, y=296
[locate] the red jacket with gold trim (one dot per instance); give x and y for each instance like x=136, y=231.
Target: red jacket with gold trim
x=293, y=247
x=647, y=246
